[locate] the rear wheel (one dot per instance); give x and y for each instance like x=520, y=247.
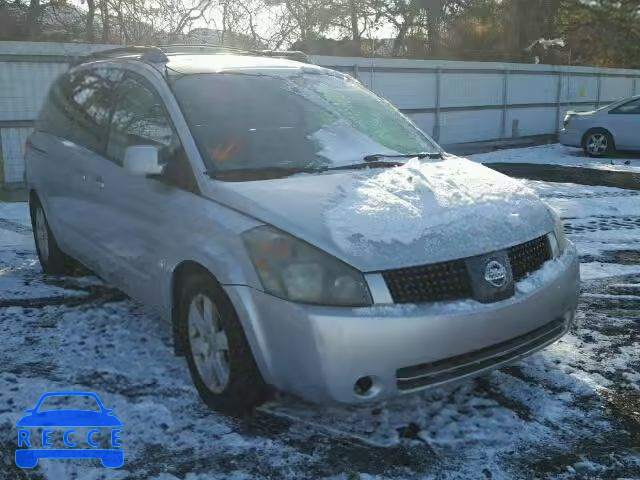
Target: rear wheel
x=598, y=143
x=52, y=259
x=220, y=360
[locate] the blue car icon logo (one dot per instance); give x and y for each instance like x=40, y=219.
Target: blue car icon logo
x=66, y=423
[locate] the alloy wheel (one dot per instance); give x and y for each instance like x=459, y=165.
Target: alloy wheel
x=597, y=143
x=209, y=343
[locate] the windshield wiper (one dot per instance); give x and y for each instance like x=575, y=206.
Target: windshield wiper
x=367, y=164
x=374, y=157
x=262, y=173
x=267, y=173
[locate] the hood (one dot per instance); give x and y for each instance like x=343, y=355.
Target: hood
x=425, y=211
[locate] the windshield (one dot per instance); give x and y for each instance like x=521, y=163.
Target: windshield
x=306, y=121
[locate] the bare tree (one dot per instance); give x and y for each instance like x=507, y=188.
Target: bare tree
x=106, y=20
x=89, y=26
x=33, y=19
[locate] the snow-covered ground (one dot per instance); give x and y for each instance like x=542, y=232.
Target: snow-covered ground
x=556, y=154
x=569, y=411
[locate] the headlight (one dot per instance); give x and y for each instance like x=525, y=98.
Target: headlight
x=292, y=269
x=557, y=239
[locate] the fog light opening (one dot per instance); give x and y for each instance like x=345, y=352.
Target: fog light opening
x=364, y=387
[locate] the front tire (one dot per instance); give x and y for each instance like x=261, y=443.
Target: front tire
x=220, y=361
x=53, y=260
x=598, y=143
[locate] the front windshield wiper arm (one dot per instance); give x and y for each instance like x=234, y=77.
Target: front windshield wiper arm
x=266, y=173
x=262, y=173
x=367, y=164
x=374, y=157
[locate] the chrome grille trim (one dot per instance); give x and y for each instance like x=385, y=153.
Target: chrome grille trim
x=426, y=374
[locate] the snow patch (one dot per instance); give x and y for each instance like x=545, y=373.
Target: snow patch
x=594, y=270
x=450, y=196
x=549, y=271
x=555, y=154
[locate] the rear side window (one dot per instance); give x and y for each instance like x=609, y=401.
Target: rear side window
x=78, y=106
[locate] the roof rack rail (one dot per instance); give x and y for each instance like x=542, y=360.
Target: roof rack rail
x=142, y=53
x=204, y=47
x=296, y=55
x=198, y=47
x=159, y=54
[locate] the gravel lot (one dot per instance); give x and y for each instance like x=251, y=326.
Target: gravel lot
x=570, y=411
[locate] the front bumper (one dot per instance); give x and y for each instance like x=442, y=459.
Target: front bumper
x=320, y=352
x=571, y=137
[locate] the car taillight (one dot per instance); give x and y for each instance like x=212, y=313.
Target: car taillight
x=566, y=121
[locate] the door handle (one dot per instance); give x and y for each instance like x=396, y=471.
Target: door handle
x=100, y=181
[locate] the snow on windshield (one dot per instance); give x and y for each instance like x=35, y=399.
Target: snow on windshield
x=342, y=144
x=350, y=122
x=449, y=199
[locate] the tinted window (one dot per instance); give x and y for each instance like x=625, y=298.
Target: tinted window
x=78, y=106
x=139, y=118
x=632, y=107
x=306, y=120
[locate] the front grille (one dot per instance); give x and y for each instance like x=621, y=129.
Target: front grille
x=426, y=374
x=429, y=283
x=529, y=257
x=446, y=281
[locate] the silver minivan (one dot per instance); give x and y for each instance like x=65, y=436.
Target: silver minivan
x=295, y=230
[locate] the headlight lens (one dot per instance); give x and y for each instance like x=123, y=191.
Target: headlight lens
x=292, y=269
x=557, y=239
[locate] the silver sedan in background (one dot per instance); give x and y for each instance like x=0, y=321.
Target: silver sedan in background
x=602, y=131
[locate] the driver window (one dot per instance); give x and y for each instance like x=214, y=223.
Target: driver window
x=139, y=118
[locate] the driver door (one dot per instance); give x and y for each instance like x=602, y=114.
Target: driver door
x=140, y=216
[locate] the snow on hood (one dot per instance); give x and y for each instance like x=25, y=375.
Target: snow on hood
x=444, y=202
x=425, y=211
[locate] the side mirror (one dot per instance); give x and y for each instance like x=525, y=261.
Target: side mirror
x=142, y=160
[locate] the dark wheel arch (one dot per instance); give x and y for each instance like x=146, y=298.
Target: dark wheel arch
x=180, y=273
x=246, y=388
x=58, y=262
x=34, y=200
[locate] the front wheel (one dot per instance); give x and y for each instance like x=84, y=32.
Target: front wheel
x=220, y=360
x=598, y=143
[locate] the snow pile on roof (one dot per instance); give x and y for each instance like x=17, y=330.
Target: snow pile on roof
x=450, y=196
